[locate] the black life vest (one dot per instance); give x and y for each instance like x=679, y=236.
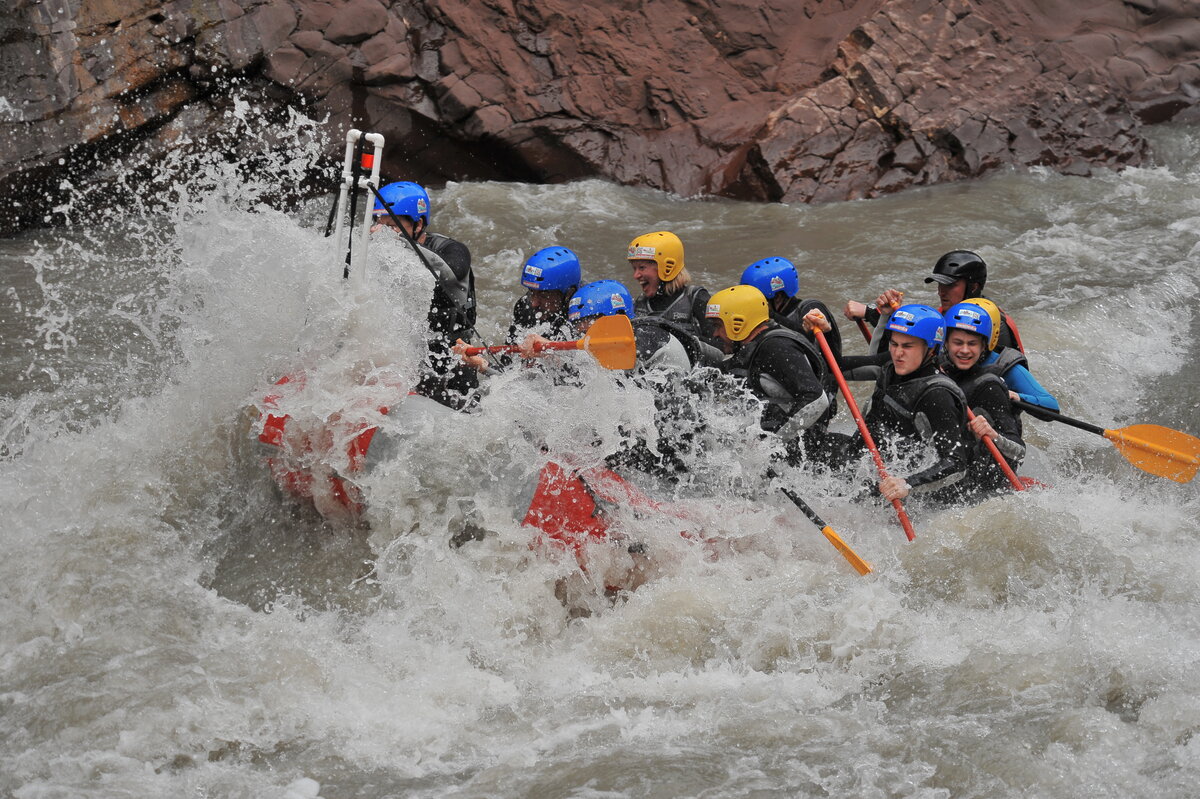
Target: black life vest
x=893, y=405
x=679, y=310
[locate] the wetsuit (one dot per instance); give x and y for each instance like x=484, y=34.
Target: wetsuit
x=1009, y=336
x=685, y=307
x=923, y=406
x=987, y=396
x=451, y=317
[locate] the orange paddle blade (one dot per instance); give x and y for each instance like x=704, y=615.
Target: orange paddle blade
x=1159, y=450
x=860, y=565
x=611, y=342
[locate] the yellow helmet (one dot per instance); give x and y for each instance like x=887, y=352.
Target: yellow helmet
x=993, y=311
x=740, y=308
x=664, y=248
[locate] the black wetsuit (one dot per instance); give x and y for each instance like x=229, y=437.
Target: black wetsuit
x=987, y=396
x=445, y=378
x=686, y=308
x=924, y=406
x=1008, y=336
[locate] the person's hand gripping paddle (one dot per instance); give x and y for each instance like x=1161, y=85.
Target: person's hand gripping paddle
x=610, y=341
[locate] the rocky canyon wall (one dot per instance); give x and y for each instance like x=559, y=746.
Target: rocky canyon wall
x=776, y=100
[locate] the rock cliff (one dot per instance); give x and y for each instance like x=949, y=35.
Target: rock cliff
x=791, y=100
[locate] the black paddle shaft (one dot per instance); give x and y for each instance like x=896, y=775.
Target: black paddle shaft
x=802, y=505
x=1058, y=417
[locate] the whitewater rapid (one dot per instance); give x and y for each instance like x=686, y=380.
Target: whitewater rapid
x=172, y=627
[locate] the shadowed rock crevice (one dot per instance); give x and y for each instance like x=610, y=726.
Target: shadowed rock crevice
x=793, y=100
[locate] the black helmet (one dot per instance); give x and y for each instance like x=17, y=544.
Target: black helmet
x=957, y=265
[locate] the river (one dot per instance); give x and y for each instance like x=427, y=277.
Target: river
x=170, y=626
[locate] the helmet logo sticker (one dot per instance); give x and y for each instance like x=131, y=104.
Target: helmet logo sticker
x=906, y=316
x=712, y=311
x=422, y=206
x=776, y=283
x=642, y=252
x=617, y=300
x=533, y=271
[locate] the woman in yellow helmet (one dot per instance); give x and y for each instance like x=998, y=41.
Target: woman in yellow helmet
x=667, y=290
x=777, y=364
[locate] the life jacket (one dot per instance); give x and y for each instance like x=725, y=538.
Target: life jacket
x=971, y=385
x=458, y=293
x=746, y=366
x=679, y=310
x=1006, y=359
x=893, y=404
x=819, y=367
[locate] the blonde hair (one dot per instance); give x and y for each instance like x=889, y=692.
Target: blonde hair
x=678, y=284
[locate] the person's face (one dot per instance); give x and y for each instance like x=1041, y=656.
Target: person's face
x=717, y=328
x=645, y=272
x=546, y=302
x=385, y=221
x=964, y=348
x=908, y=353
x=952, y=294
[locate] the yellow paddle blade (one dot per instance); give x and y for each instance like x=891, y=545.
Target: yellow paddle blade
x=1159, y=450
x=860, y=565
x=610, y=341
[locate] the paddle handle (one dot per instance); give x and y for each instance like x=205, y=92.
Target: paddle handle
x=1058, y=417
x=866, y=331
x=862, y=428
x=1000, y=461
x=538, y=346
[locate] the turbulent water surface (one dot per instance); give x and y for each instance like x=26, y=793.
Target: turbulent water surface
x=171, y=626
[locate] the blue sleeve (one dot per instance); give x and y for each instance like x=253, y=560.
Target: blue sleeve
x=1020, y=380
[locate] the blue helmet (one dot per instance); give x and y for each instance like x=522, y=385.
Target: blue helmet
x=970, y=316
x=771, y=276
x=406, y=199
x=921, y=321
x=552, y=268
x=601, y=298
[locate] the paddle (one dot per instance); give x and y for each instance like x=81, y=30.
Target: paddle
x=860, y=565
x=610, y=341
x=1152, y=448
x=862, y=428
x=866, y=331
x=1000, y=461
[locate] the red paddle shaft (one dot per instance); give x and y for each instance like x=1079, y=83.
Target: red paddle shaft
x=1003, y=464
x=538, y=346
x=862, y=428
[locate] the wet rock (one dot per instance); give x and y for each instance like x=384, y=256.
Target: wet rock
x=795, y=100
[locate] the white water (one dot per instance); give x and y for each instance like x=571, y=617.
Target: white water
x=171, y=627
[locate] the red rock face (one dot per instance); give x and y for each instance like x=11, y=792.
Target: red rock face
x=793, y=100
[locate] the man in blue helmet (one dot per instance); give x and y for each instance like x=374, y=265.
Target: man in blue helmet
x=452, y=310
x=550, y=277
x=915, y=404
x=779, y=281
